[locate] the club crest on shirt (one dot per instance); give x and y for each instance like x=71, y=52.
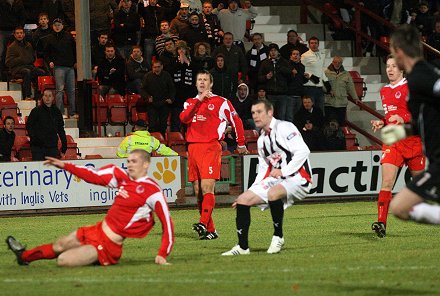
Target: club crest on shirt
x=211, y=107
x=398, y=95
x=140, y=189
x=293, y=134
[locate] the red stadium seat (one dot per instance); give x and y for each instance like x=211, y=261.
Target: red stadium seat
x=8, y=107
x=99, y=110
x=117, y=111
x=159, y=136
x=22, y=148
x=46, y=82
x=93, y=156
x=359, y=84
x=176, y=141
x=72, y=148
x=131, y=101
x=251, y=138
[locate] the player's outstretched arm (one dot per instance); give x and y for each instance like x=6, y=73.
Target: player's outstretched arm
x=54, y=162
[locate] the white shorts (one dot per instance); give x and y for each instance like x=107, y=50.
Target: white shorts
x=296, y=187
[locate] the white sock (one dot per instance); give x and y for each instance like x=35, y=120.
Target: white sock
x=425, y=213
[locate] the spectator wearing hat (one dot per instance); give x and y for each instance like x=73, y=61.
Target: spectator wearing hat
x=195, y=6
x=142, y=139
x=180, y=22
x=20, y=57
x=195, y=32
x=111, y=72
x=60, y=55
x=274, y=74
x=233, y=19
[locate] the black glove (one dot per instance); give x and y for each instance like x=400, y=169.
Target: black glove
x=314, y=79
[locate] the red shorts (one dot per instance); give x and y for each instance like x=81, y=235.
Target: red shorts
x=109, y=252
x=407, y=151
x=204, y=161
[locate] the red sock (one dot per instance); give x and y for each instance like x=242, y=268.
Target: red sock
x=40, y=252
x=383, y=203
x=207, y=208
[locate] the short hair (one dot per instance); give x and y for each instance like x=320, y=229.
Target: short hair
x=292, y=31
x=103, y=33
x=164, y=21
x=8, y=117
x=136, y=47
x=143, y=154
x=307, y=98
x=228, y=33
x=110, y=44
x=407, y=38
x=207, y=2
x=256, y=34
x=43, y=14
x=157, y=61
x=18, y=28
x=267, y=104
x=168, y=40
x=206, y=72
x=219, y=55
x=313, y=38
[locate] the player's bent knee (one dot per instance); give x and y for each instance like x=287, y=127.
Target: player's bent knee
x=397, y=210
x=64, y=261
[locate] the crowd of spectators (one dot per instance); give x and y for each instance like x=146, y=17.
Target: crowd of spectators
x=155, y=48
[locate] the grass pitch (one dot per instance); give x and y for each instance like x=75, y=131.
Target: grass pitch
x=329, y=250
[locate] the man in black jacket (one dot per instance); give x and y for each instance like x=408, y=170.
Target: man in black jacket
x=295, y=87
x=60, y=55
x=137, y=67
x=158, y=88
x=44, y=125
x=7, y=138
x=127, y=24
x=111, y=72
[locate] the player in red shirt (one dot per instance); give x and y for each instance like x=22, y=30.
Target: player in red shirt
x=207, y=116
x=129, y=216
x=408, y=151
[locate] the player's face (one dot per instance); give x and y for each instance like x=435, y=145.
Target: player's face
x=261, y=116
x=9, y=125
x=393, y=71
x=203, y=82
x=136, y=166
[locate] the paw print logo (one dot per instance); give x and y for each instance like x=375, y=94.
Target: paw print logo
x=166, y=171
x=76, y=179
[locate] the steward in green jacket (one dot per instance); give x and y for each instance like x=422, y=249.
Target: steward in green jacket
x=142, y=139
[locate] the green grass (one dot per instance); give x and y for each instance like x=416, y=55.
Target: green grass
x=329, y=250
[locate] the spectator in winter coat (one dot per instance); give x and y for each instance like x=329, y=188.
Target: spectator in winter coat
x=295, y=87
x=126, y=25
x=212, y=25
x=166, y=34
x=111, y=73
x=293, y=42
x=202, y=59
x=242, y=104
x=7, y=138
x=223, y=78
x=195, y=32
x=137, y=67
x=180, y=22
x=309, y=112
x=257, y=54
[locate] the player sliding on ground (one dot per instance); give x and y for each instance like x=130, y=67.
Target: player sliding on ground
x=284, y=173
x=129, y=216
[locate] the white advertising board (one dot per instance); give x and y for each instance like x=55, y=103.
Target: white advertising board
x=30, y=185
x=338, y=173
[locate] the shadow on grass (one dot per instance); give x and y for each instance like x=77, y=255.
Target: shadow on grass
x=369, y=236
x=372, y=290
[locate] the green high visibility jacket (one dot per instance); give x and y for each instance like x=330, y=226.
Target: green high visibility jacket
x=143, y=140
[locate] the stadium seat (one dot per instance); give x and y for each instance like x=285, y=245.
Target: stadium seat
x=72, y=151
x=99, y=110
x=131, y=102
x=159, y=136
x=359, y=84
x=46, y=82
x=176, y=141
x=93, y=156
x=117, y=111
x=225, y=170
x=22, y=148
x=8, y=107
x=251, y=138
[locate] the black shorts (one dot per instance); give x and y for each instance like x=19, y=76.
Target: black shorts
x=427, y=184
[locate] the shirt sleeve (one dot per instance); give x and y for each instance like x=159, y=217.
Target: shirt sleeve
x=158, y=203
x=299, y=152
x=190, y=108
x=104, y=176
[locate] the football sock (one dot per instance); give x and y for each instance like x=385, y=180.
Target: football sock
x=208, y=204
x=383, y=203
x=425, y=213
x=277, y=211
x=243, y=221
x=40, y=252
x=210, y=226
